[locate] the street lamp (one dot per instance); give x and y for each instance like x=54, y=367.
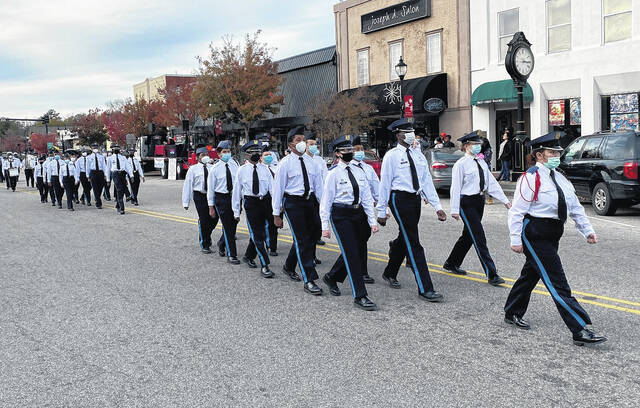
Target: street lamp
x=401, y=71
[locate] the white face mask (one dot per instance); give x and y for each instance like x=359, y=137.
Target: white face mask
x=409, y=138
x=301, y=147
x=205, y=159
x=95, y=150
x=84, y=154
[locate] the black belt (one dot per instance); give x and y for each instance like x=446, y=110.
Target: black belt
x=406, y=193
x=248, y=197
x=349, y=206
x=295, y=197
x=222, y=194
x=547, y=220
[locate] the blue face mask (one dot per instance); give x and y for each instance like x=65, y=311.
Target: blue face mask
x=475, y=149
x=67, y=161
x=57, y=157
x=268, y=160
x=358, y=155
x=226, y=157
x=552, y=163
x=314, y=150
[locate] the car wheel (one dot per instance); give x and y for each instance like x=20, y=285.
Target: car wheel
x=601, y=199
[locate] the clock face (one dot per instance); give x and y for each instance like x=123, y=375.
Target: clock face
x=523, y=61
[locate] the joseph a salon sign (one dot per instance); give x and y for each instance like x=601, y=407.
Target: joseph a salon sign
x=394, y=15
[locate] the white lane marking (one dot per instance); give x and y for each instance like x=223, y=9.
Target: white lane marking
x=613, y=222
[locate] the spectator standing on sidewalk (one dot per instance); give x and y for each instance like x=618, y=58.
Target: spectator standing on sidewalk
x=504, y=155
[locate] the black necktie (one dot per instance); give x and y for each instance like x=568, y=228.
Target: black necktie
x=10, y=164
x=117, y=162
x=206, y=177
x=58, y=166
x=96, y=156
x=68, y=172
x=256, y=181
x=354, y=184
x=85, y=164
x=359, y=165
x=481, y=174
x=229, y=179
x=562, y=204
x=305, y=178
x=272, y=173
x=414, y=173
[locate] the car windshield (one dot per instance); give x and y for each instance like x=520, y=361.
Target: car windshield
x=370, y=156
x=441, y=154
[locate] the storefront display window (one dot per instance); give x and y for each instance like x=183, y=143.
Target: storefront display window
x=620, y=112
x=565, y=115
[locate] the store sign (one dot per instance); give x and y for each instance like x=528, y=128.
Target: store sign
x=49, y=145
x=408, y=106
x=399, y=14
x=434, y=105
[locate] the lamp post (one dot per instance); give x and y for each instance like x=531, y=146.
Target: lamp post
x=401, y=71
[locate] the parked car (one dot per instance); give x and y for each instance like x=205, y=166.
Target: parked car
x=370, y=157
x=441, y=163
x=603, y=168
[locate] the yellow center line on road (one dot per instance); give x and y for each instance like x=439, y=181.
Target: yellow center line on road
x=380, y=257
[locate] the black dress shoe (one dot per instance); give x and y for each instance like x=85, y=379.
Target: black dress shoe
x=88, y=204
x=273, y=253
x=266, y=272
x=364, y=303
x=317, y=261
x=128, y=199
x=122, y=212
x=108, y=199
x=495, y=281
x=136, y=203
x=222, y=253
x=393, y=282
x=206, y=250
x=312, y=288
x=453, y=269
x=291, y=274
x=59, y=207
x=99, y=207
x=77, y=202
x=233, y=260
x=587, y=336
x=320, y=242
x=432, y=296
x=53, y=204
x=250, y=262
x=368, y=279
x=517, y=321
x=71, y=209
x=333, y=286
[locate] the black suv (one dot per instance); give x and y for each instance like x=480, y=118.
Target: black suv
x=604, y=169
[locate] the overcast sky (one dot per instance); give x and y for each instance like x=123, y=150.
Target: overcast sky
x=72, y=55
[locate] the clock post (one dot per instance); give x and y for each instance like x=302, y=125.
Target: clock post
x=519, y=63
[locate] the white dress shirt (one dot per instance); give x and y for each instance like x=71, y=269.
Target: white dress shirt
x=112, y=165
x=91, y=163
x=29, y=163
x=12, y=164
x=40, y=170
x=243, y=185
x=193, y=181
x=396, y=175
x=546, y=206
x=136, y=166
x=372, y=177
x=71, y=171
x=289, y=179
x=81, y=165
x=338, y=189
x=322, y=166
x=218, y=179
x=53, y=169
x=465, y=181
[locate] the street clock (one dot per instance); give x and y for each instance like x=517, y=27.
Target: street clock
x=519, y=61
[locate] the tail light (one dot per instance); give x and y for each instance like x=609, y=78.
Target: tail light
x=438, y=166
x=631, y=170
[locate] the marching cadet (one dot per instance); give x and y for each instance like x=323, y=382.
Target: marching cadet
x=253, y=188
x=265, y=139
x=267, y=159
x=73, y=156
x=68, y=180
x=96, y=167
x=469, y=181
x=135, y=180
x=28, y=164
x=221, y=180
x=53, y=179
x=40, y=179
x=196, y=186
x=314, y=153
x=543, y=200
x=12, y=170
x=296, y=179
x=81, y=174
x=106, y=193
x=52, y=191
x=374, y=186
x=347, y=206
x=118, y=168
x=404, y=177
x=2, y=158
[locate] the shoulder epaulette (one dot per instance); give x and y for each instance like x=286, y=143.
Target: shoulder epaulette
x=333, y=167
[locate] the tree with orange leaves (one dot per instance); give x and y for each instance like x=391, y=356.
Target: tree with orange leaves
x=138, y=114
x=176, y=105
x=238, y=84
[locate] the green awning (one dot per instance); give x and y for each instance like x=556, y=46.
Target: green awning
x=499, y=92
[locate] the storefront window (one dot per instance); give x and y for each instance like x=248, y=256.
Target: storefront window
x=395, y=52
x=508, y=24
x=616, y=15
x=565, y=116
x=434, y=52
x=363, y=67
x=558, y=25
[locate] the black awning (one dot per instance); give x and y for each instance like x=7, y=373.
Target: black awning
x=387, y=96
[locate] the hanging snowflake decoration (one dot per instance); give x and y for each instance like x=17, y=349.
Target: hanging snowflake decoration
x=391, y=93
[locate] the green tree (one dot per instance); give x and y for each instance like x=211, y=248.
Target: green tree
x=89, y=127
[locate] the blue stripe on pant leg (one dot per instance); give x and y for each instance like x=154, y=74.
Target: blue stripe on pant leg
x=406, y=240
x=344, y=257
x=200, y=234
x=224, y=234
x=475, y=245
x=295, y=242
x=266, y=230
x=253, y=239
x=547, y=281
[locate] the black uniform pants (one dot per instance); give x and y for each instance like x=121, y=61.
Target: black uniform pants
x=302, y=217
x=205, y=221
x=43, y=189
x=352, y=231
x=119, y=179
x=257, y=214
x=272, y=230
x=540, y=240
x=52, y=193
x=69, y=188
x=406, y=208
x=86, y=188
x=28, y=175
x=317, y=225
x=135, y=186
x=471, y=212
x=107, y=191
x=6, y=179
x=227, y=243
x=97, y=183
x=57, y=188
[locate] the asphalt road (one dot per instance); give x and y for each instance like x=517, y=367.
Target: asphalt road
x=98, y=309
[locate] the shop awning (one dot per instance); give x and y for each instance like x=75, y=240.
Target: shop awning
x=499, y=92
